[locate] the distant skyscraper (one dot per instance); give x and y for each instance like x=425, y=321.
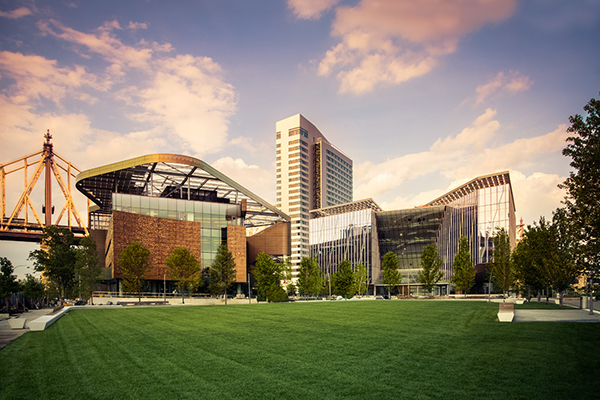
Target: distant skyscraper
x=311, y=174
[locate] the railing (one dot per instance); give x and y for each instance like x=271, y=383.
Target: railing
x=150, y=295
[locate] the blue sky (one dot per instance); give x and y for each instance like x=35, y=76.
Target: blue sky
x=422, y=95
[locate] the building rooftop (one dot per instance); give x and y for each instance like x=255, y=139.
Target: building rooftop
x=481, y=182
x=357, y=205
x=173, y=176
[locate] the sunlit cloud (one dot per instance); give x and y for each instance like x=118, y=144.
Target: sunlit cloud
x=254, y=178
x=475, y=151
x=36, y=77
x=137, y=25
x=387, y=42
x=17, y=13
x=311, y=9
x=177, y=102
x=511, y=83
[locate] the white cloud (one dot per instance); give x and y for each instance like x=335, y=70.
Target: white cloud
x=392, y=41
x=180, y=102
x=311, y=9
x=512, y=82
x=137, y=25
x=17, y=13
x=257, y=180
x=475, y=151
x=36, y=77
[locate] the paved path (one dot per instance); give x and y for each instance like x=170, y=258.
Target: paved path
x=7, y=334
x=568, y=315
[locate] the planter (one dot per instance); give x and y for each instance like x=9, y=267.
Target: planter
x=17, y=323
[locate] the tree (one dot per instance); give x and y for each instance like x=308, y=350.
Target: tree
x=8, y=282
x=87, y=267
x=222, y=272
x=33, y=288
x=566, y=269
x=269, y=274
x=361, y=278
x=309, y=277
x=431, y=262
x=527, y=259
x=343, y=280
x=545, y=257
x=391, y=272
x=464, y=272
x=501, y=268
x=183, y=267
x=583, y=187
x=134, y=262
x=57, y=262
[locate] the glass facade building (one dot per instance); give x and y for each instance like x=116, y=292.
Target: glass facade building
x=346, y=233
x=213, y=216
x=473, y=210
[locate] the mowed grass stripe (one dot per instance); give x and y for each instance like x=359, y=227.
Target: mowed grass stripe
x=334, y=350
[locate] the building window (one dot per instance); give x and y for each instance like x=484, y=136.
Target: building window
x=278, y=135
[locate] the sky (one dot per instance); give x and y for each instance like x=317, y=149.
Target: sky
x=423, y=96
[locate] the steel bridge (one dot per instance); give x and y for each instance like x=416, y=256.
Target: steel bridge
x=17, y=226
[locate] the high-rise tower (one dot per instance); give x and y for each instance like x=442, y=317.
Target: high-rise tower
x=311, y=174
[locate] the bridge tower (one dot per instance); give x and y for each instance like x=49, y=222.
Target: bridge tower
x=17, y=226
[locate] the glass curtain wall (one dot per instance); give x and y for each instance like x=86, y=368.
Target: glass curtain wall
x=406, y=233
x=494, y=209
x=213, y=216
x=457, y=221
x=347, y=236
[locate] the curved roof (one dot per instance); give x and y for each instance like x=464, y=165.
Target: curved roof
x=481, y=182
x=172, y=175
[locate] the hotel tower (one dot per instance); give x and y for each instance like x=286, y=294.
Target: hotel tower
x=311, y=174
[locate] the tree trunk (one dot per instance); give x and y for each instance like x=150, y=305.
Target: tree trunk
x=539, y=295
x=225, y=296
x=547, y=295
x=561, y=295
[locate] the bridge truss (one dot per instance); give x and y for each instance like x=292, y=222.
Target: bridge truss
x=17, y=225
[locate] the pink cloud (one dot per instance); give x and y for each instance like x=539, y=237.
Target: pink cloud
x=311, y=9
x=512, y=82
x=17, y=13
x=392, y=41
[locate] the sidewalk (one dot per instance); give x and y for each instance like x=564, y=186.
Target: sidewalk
x=567, y=315
x=7, y=334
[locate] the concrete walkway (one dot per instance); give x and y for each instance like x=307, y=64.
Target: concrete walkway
x=7, y=334
x=568, y=315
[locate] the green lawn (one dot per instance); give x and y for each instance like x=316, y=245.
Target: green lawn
x=330, y=350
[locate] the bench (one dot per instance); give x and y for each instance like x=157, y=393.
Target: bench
x=45, y=321
x=144, y=303
x=506, y=312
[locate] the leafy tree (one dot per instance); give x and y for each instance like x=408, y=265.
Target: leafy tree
x=583, y=186
x=391, y=272
x=527, y=260
x=33, y=288
x=134, y=262
x=309, y=277
x=222, y=272
x=58, y=261
x=87, y=267
x=431, y=262
x=545, y=257
x=8, y=282
x=343, y=280
x=566, y=269
x=269, y=274
x=361, y=278
x=183, y=267
x=501, y=268
x=464, y=272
